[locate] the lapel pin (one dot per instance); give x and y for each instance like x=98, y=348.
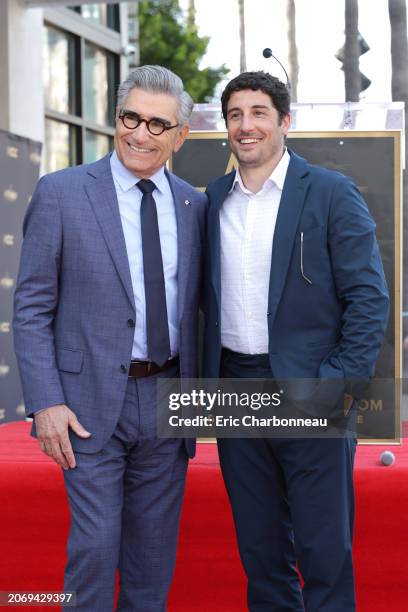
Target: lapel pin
x=187, y=202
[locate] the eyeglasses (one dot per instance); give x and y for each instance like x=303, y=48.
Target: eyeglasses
x=155, y=126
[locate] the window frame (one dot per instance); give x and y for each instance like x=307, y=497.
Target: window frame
x=109, y=41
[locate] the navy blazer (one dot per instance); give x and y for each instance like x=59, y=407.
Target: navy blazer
x=332, y=328
x=74, y=298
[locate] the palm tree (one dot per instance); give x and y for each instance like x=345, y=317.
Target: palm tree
x=399, y=49
x=293, y=54
x=242, y=55
x=191, y=12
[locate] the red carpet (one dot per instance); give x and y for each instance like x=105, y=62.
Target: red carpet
x=34, y=522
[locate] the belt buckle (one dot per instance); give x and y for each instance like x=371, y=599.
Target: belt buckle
x=149, y=366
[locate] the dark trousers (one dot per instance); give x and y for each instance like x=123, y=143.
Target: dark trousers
x=125, y=504
x=292, y=502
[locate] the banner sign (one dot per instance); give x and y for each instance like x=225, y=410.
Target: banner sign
x=20, y=160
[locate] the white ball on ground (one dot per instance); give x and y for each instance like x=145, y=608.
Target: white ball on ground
x=387, y=458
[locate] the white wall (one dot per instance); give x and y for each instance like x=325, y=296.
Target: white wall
x=21, y=91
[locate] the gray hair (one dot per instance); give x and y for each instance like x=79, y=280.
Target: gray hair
x=158, y=79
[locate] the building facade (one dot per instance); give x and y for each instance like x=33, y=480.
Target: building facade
x=61, y=65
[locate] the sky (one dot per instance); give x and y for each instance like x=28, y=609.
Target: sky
x=320, y=34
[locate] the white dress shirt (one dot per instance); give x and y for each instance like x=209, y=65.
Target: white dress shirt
x=247, y=222
x=129, y=200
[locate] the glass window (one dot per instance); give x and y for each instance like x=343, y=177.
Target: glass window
x=59, y=50
x=100, y=83
x=81, y=79
x=106, y=15
x=60, y=145
x=96, y=145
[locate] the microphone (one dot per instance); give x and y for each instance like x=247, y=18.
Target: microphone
x=268, y=53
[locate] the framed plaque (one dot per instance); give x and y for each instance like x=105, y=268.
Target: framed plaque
x=373, y=160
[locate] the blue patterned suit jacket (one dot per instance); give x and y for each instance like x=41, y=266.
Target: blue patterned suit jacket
x=74, y=296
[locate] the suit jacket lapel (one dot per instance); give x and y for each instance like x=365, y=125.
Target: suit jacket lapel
x=290, y=208
x=217, y=197
x=184, y=218
x=102, y=195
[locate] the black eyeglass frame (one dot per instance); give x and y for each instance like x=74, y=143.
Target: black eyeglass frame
x=136, y=117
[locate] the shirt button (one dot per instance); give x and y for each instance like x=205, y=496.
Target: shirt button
x=131, y=323
x=216, y=324
x=123, y=368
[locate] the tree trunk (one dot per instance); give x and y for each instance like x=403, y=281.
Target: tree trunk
x=191, y=13
x=399, y=49
x=399, y=85
x=242, y=55
x=351, y=52
x=293, y=54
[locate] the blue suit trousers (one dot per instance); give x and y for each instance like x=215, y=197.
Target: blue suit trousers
x=125, y=504
x=293, y=504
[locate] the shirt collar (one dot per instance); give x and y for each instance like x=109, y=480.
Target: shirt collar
x=126, y=179
x=276, y=178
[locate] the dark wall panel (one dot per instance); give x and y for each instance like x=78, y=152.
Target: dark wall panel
x=20, y=160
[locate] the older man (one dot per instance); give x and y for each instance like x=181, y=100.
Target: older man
x=106, y=303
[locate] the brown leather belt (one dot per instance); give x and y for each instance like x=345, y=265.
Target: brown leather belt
x=141, y=369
